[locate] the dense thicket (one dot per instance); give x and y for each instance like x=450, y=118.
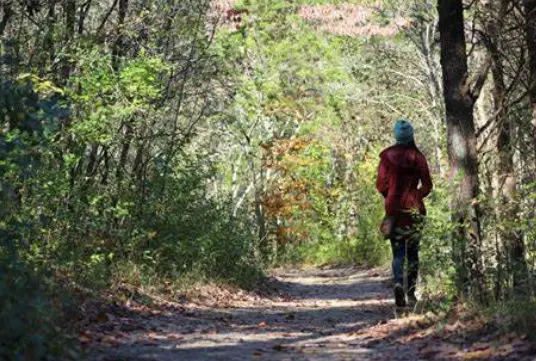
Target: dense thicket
x=103, y=171
x=147, y=140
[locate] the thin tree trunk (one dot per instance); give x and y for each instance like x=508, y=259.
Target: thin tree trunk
x=91, y=168
x=69, y=8
x=530, y=31
x=123, y=157
x=84, y=11
x=106, y=170
x=7, y=14
x=118, y=51
x=426, y=46
x=118, y=48
x=106, y=17
x=49, y=37
x=530, y=16
x=508, y=204
x=259, y=211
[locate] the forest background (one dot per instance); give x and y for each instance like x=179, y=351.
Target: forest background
x=149, y=143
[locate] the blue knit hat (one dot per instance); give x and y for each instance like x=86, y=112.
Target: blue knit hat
x=403, y=132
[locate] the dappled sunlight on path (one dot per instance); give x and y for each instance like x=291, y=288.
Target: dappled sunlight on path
x=338, y=314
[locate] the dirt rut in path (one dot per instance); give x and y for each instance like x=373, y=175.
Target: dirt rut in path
x=316, y=319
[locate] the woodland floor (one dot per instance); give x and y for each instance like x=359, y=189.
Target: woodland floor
x=335, y=314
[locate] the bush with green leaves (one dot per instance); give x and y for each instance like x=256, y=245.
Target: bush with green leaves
x=185, y=230
x=29, y=321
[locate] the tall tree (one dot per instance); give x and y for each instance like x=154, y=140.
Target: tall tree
x=530, y=17
x=7, y=13
x=506, y=174
x=460, y=93
x=69, y=9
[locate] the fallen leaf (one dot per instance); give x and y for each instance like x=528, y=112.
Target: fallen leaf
x=453, y=327
x=102, y=317
x=480, y=346
x=84, y=338
x=477, y=355
x=110, y=340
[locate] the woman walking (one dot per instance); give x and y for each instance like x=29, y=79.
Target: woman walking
x=404, y=181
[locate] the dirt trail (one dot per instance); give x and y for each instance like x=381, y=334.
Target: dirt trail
x=342, y=314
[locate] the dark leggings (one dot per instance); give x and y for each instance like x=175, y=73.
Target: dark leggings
x=406, y=248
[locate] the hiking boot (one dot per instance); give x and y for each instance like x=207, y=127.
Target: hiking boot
x=412, y=299
x=400, y=298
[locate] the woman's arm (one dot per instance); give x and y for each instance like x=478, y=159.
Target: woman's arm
x=426, y=180
x=382, y=182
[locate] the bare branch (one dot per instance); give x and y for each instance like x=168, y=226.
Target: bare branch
x=106, y=17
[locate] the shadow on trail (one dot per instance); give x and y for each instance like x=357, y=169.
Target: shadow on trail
x=336, y=284
x=313, y=322
x=368, y=289
x=241, y=337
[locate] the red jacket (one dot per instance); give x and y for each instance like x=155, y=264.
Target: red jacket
x=401, y=169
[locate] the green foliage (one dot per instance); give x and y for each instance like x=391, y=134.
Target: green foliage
x=185, y=231
x=150, y=151
x=102, y=168
x=28, y=319
x=437, y=266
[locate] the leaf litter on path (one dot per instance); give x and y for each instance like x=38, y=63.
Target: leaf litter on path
x=315, y=315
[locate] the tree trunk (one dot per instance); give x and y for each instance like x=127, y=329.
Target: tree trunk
x=118, y=48
x=530, y=30
x=259, y=209
x=530, y=16
x=84, y=11
x=123, y=155
x=49, y=36
x=7, y=13
x=461, y=146
x=69, y=8
x=118, y=52
x=507, y=180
